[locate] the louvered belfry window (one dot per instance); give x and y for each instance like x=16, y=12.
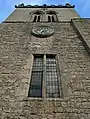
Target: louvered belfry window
x=44, y=80
x=52, y=16
x=36, y=18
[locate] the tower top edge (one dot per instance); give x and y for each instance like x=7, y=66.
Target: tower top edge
x=22, y=5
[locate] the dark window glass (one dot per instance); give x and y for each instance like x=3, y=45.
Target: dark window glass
x=38, y=20
x=49, y=19
x=35, y=18
x=36, y=78
x=53, y=19
x=52, y=84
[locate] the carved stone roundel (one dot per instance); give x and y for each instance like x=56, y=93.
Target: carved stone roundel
x=42, y=31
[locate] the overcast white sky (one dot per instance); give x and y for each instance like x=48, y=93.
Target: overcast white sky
x=7, y=6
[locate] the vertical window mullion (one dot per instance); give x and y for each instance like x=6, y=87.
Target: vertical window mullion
x=44, y=77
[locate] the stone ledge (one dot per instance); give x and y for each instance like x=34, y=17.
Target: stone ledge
x=10, y=21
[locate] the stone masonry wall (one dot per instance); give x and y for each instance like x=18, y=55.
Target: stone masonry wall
x=24, y=14
x=16, y=48
x=82, y=27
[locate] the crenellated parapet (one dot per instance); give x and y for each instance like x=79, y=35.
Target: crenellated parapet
x=22, y=5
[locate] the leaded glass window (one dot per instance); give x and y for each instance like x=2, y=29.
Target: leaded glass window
x=44, y=77
x=37, y=77
x=52, y=84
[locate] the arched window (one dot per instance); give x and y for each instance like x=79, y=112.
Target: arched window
x=52, y=16
x=36, y=16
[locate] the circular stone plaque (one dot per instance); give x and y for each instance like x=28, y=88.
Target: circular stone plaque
x=42, y=31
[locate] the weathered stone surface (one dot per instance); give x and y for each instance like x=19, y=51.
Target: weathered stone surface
x=82, y=27
x=24, y=14
x=16, y=48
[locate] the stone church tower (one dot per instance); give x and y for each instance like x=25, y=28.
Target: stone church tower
x=45, y=64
